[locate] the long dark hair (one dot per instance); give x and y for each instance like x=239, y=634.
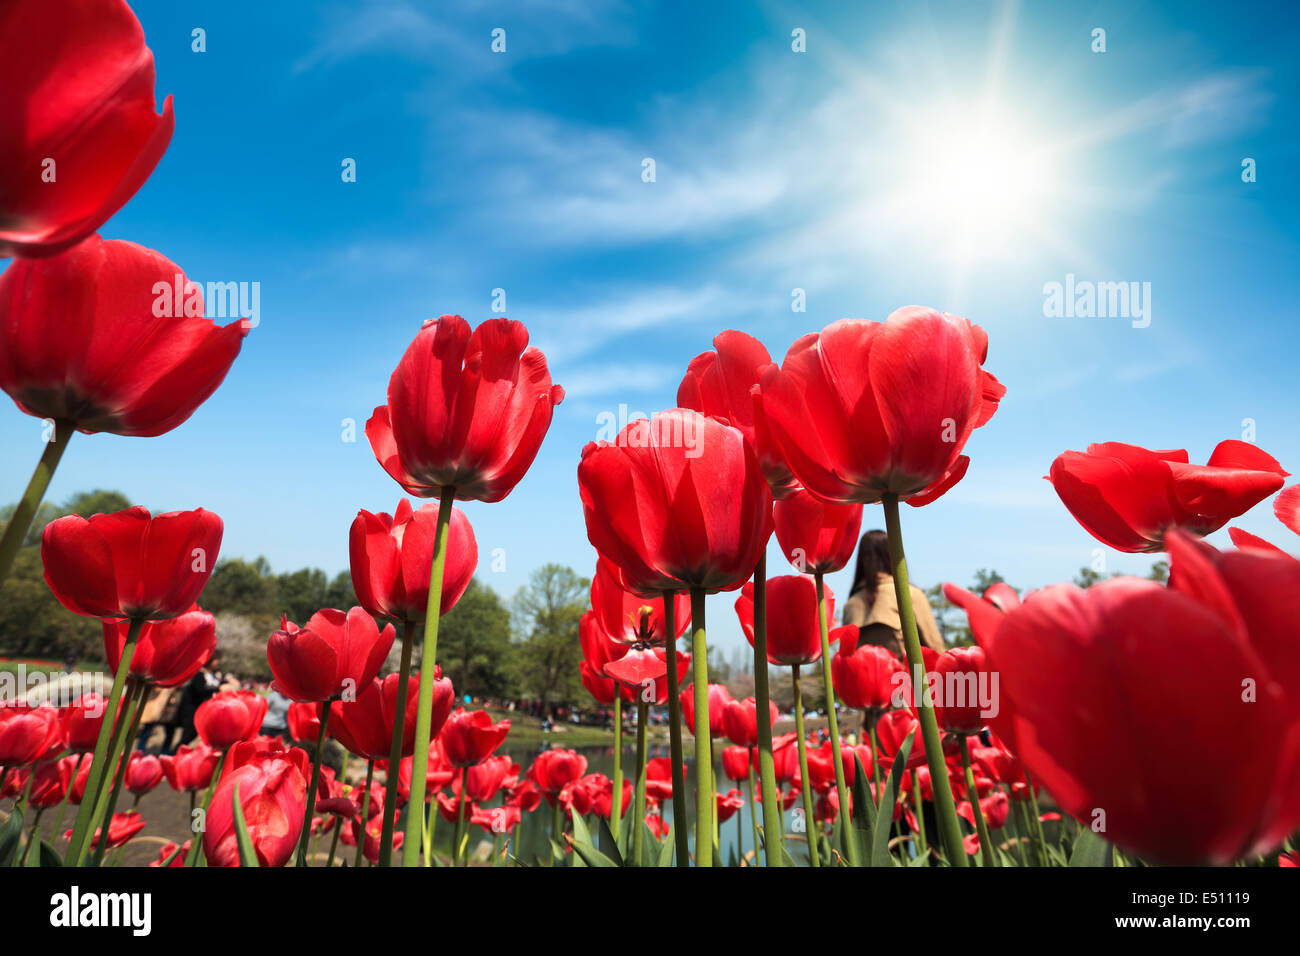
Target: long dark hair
x=873, y=560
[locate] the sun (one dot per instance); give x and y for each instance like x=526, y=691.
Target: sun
x=976, y=178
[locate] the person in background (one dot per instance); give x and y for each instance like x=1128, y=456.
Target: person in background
x=276, y=722
x=873, y=604
x=207, y=682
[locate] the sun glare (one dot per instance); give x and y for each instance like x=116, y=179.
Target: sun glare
x=977, y=181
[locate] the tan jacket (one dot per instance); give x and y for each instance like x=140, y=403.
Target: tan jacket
x=883, y=624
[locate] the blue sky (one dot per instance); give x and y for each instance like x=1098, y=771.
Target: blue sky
x=959, y=155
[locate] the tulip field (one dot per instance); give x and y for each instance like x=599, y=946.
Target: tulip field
x=1134, y=723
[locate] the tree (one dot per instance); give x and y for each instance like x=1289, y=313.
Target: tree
x=240, y=586
x=474, y=643
x=546, y=612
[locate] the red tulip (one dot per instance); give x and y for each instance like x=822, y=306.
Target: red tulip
x=553, y=769
x=740, y=721
x=735, y=763
x=121, y=828
x=785, y=757
x=793, y=634
x=166, y=852
x=304, y=721
x=965, y=692
x=273, y=797
x=985, y=613
x=816, y=536
x=1287, y=508
x=230, y=717
x=723, y=384
x=365, y=726
x=83, y=340
x=449, y=805
x=891, y=730
x=719, y=698
x=143, y=773
x=391, y=557
x=594, y=793
x=81, y=134
x=52, y=779
x=871, y=679
x=190, y=768
x=128, y=564
x=334, y=655
x=497, y=820
x=867, y=409
x=83, y=718
x=28, y=733
x=1130, y=498
x=169, y=652
x=470, y=736
x=821, y=766
x=1163, y=676
x=658, y=778
x=728, y=804
x=676, y=501
x=465, y=410
x=438, y=774
x=484, y=780
x=622, y=615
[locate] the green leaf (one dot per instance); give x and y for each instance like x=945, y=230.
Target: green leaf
x=864, y=811
x=170, y=857
x=247, y=855
x=1091, y=850
x=880, y=855
x=11, y=835
x=666, y=848
x=609, y=843
x=580, y=840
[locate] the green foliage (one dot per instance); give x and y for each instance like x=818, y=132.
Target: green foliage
x=546, y=613
x=474, y=644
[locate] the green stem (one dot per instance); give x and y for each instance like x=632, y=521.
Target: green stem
x=460, y=819
x=616, y=808
x=675, y=730
x=833, y=725
x=1036, y=822
x=1022, y=830
x=753, y=814
x=638, y=815
x=875, y=762
x=310, y=809
x=972, y=794
x=395, y=750
x=85, y=813
x=918, y=805
x=428, y=829
x=704, y=800
x=34, y=837
x=16, y=529
x=428, y=661
x=365, y=807
x=334, y=842
x=67, y=794
x=809, y=811
x=108, y=806
x=772, y=855
x=945, y=810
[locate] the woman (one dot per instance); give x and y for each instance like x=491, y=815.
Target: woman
x=873, y=605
